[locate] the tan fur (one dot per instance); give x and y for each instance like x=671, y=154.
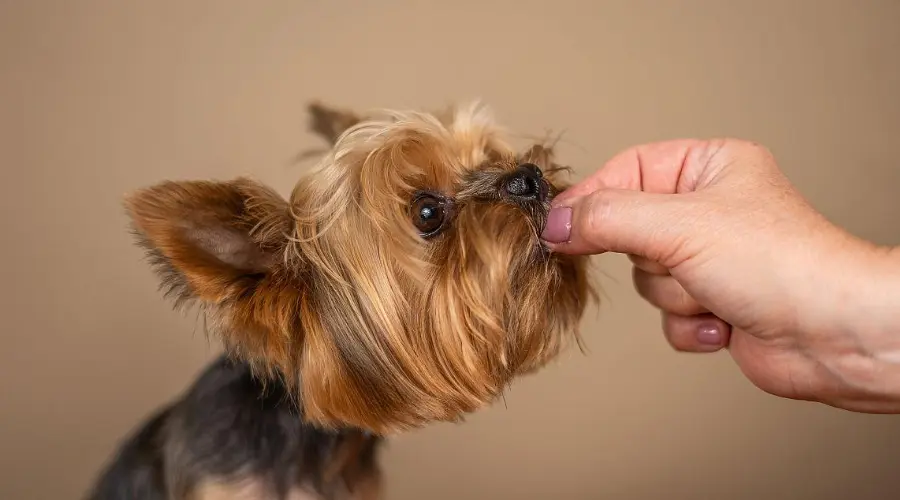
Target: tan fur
x=247, y=489
x=368, y=488
x=334, y=291
x=250, y=489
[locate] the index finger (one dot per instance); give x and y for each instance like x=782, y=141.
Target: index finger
x=662, y=167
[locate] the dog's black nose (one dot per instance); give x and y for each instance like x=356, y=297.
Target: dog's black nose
x=526, y=183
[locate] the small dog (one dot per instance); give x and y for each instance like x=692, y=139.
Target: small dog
x=403, y=282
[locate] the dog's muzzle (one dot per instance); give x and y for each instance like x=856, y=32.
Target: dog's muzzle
x=526, y=184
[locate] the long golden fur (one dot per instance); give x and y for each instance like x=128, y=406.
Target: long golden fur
x=336, y=293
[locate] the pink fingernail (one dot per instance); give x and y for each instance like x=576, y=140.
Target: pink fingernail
x=559, y=225
x=709, y=335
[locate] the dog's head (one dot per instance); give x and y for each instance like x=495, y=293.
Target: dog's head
x=403, y=281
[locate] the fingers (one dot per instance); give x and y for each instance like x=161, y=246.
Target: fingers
x=624, y=221
x=701, y=333
x=653, y=168
x=648, y=265
x=665, y=293
x=687, y=325
x=627, y=206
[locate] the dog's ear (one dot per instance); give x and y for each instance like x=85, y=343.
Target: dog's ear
x=223, y=244
x=329, y=122
x=213, y=239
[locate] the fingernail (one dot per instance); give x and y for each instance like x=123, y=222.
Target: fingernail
x=709, y=335
x=559, y=225
x=558, y=200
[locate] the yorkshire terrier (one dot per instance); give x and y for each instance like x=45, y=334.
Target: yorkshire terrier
x=403, y=282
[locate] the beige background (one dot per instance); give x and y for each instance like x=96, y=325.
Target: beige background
x=101, y=97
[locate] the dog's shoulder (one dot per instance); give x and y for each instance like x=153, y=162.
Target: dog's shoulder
x=137, y=469
x=230, y=427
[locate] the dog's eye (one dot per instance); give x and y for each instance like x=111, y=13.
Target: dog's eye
x=428, y=214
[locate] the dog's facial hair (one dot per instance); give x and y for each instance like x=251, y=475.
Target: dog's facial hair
x=339, y=293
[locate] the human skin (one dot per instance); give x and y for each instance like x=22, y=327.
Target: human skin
x=735, y=258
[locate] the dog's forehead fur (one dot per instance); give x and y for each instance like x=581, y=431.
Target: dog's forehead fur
x=439, y=147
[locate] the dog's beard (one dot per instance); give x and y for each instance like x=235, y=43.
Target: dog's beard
x=443, y=332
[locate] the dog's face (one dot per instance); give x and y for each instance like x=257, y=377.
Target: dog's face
x=403, y=282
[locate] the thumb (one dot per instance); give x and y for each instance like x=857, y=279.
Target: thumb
x=650, y=225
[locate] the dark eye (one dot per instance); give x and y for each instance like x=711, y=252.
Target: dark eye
x=428, y=214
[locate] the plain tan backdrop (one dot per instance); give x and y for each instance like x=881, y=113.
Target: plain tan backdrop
x=102, y=97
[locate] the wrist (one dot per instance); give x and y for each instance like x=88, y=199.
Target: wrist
x=862, y=345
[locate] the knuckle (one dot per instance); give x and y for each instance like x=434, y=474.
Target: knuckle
x=758, y=150
x=753, y=152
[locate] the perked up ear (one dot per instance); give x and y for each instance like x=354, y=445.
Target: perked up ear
x=211, y=240
x=329, y=122
x=222, y=244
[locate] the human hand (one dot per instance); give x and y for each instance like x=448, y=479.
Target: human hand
x=733, y=256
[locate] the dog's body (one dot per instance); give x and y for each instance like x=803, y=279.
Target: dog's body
x=402, y=283
x=231, y=436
